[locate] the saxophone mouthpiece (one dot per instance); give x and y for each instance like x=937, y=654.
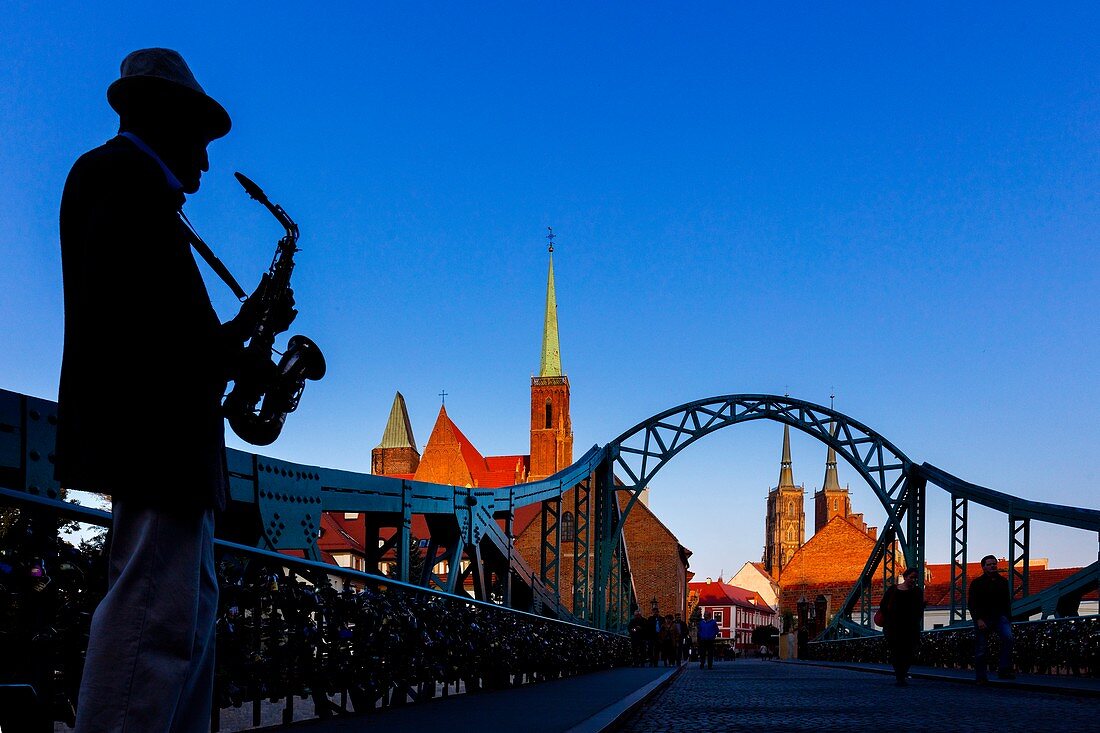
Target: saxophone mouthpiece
x=250, y=187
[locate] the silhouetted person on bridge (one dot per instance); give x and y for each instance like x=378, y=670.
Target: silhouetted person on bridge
x=902, y=610
x=637, y=629
x=145, y=365
x=653, y=636
x=670, y=641
x=990, y=603
x=685, y=639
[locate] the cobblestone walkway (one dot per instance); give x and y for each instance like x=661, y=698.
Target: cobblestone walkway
x=754, y=695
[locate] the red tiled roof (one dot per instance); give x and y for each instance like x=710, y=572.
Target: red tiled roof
x=340, y=534
x=722, y=594
x=937, y=590
x=492, y=472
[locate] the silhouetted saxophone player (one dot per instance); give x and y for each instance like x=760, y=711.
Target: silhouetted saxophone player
x=140, y=415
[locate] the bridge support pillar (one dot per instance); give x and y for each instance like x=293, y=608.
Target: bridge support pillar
x=959, y=511
x=1019, y=556
x=550, y=545
x=604, y=545
x=581, y=542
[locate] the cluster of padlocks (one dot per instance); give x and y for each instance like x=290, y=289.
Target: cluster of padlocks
x=346, y=640
x=281, y=633
x=1053, y=646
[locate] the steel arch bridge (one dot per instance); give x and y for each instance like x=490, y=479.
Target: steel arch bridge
x=277, y=505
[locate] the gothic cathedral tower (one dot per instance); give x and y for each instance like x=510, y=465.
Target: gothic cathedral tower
x=551, y=427
x=832, y=500
x=786, y=521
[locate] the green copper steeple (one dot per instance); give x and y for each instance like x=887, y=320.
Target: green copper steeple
x=551, y=353
x=399, y=432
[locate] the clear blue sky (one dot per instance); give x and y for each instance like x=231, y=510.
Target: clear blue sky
x=900, y=203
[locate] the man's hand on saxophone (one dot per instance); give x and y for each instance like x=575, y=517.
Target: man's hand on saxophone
x=242, y=326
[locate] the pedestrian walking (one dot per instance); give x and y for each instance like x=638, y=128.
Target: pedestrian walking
x=902, y=611
x=653, y=636
x=637, y=629
x=708, y=632
x=990, y=604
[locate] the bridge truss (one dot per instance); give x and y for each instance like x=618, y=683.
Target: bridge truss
x=277, y=505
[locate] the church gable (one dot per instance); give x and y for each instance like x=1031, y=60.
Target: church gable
x=443, y=461
x=837, y=553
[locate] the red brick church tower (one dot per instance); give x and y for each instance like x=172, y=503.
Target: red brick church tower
x=551, y=427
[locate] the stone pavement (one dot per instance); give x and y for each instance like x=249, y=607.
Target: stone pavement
x=583, y=704
x=755, y=695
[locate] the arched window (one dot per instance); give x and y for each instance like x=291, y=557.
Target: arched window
x=790, y=508
x=836, y=504
x=568, y=527
x=549, y=415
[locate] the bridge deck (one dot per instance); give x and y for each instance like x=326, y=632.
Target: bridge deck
x=752, y=695
x=755, y=695
x=587, y=703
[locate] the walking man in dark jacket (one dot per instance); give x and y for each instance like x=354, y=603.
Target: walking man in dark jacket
x=708, y=632
x=990, y=605
x=145, y=365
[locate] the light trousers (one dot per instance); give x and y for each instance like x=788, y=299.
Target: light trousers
x=150, y=661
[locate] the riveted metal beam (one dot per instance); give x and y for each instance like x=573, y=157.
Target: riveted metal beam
x=581, y=542
x=550, y=544
x=1019, y=556
x=959, y=587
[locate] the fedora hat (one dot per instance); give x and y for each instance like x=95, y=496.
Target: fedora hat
x=153, y=76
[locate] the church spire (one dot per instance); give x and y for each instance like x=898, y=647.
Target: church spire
x=551, y=352
x=786, y=475
x=398, y=432
x=831, y=481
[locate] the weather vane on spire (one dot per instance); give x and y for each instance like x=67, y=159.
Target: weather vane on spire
x=550, y=237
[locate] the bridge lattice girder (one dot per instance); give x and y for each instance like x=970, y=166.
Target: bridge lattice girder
x=465, y=522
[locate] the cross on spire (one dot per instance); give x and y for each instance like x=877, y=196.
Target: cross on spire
x=443, y=396
x=550, y=237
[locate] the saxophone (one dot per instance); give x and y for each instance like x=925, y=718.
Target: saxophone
x=264, y=392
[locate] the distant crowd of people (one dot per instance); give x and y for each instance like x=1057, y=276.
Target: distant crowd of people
x=670, y=640
x=659, y=639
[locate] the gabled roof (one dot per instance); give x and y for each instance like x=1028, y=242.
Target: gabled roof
x=639, y=506
x=717, y=593
x=839, y=531
x=340, y=534
x=451, y=458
